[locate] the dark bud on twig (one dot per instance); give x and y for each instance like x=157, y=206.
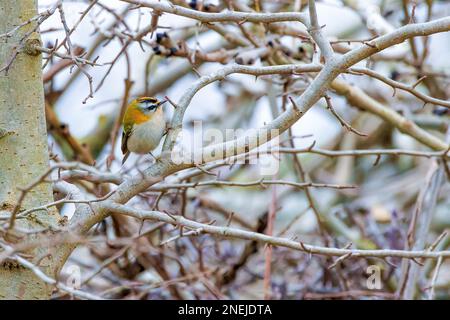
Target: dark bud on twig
x=156, y=50
x=172, y=51
x=286, y=51
x=64, y=128
x=251, y=56
x=160, y=36
x=164, y=40
x=440, y=111
x=211, y=8
x=49, y=45
x=193, y=4
x=388, y=13
x=243, y=61
x=300, y=53
x=394, y=75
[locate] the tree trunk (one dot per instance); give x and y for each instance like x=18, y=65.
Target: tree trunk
x=23, y=150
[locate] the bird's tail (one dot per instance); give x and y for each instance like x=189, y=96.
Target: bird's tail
x=125, y=157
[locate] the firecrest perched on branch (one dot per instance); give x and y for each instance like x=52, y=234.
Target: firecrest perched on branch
x=143, y=126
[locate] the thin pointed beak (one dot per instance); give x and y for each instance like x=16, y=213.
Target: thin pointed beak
x=162, y=102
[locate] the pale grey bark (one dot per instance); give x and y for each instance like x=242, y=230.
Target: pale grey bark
x=23, y=151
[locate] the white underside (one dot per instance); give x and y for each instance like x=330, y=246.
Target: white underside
x=146, y=136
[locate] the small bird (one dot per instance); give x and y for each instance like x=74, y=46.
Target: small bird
x=143, y=126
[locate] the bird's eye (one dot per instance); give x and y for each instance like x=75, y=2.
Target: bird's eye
x=150, y=106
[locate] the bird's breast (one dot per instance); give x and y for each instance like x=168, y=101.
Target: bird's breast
x=146, y=136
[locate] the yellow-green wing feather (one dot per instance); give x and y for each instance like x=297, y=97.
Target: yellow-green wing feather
x=127, y=129
x=124, y=147
x=125, y=135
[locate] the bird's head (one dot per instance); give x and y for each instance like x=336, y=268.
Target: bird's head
x=147, y=105
x=141, y=110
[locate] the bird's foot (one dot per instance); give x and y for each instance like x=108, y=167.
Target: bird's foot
x=154, y=158
x=167, y=129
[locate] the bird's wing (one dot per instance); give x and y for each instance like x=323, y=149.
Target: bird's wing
x=125, y=135
x=125, y=157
